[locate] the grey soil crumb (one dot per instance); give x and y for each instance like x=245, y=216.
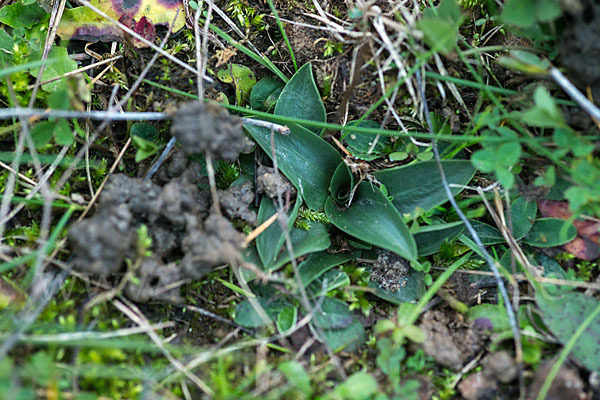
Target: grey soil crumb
x=215, y=243
x=478, y=386
x=272, y=184
x=236, y=200
x=390, y=271
x=208, y=127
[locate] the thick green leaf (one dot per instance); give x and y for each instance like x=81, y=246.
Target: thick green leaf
x=419, y=184
x=297, y=376
x=429, y=238
x=250, y=255
x=333, y=314
x=347, y=339
x=146, y=131
x=61, y=66
x=359, y=386
x=548, y=10
x=63, y=135
x=18, y=15
x=550, y=232
x=342, y=184
x=342, y=330
x=487, y=233
x=246, y=315
x=265, y=93
x=564, y=314
x=287, y=318
x=304, y=158
x=545, y=113
x=330, y=280
x=519, y=12
x=300, y=98
x=372, y=218
x=318, y=263
x=242, y=78
x=59, y=100
x=41, y=133
x=522, y=214
x=305, y=242
x=270, y=241
x=412, y=288
x=492, y=312
x=440, y=35
x=359, y=143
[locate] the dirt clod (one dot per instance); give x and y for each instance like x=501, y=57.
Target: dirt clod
x=153, y=282
x=101, y=243
x=203, y=127
x=236, y=200
x=214, y=244
x=449, y=338
x=272, y=184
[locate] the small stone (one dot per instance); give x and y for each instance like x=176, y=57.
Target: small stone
x=478, y=387
x=500, y=366
x=567, y=385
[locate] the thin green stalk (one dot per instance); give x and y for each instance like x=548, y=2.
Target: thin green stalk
x=285, y=38
x=483, y=86
x=565, y=352
x=29, y=65
x=477, y=50
x=349, y=128
x=39, y=202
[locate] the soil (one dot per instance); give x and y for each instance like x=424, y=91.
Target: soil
x=580, y=46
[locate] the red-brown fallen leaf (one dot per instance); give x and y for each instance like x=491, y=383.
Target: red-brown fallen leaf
x=583, y=248
x=128, y=21
x=587, y=228
x=554, y=209
x=145, y=29
x=586, y=245
x=81, y=23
